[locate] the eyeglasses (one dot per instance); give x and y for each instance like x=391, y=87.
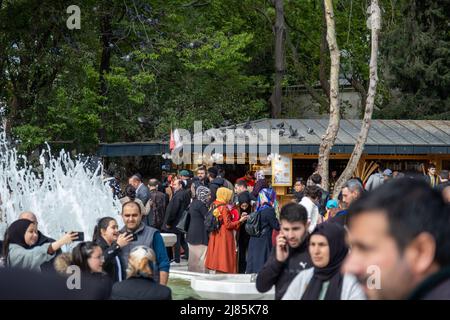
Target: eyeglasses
x=101, y=258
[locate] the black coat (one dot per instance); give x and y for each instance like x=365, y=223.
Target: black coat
x=179, y=202
x=259, y=248
x=110, y=252
x=281, y=274
x=298, y=196
x=101, y=281
x=159, y=202
x=140, y=289
x=197, y=233
x=214, y=185
x=31, y=285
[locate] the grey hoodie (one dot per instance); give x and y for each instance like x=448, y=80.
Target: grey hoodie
x=375, y=180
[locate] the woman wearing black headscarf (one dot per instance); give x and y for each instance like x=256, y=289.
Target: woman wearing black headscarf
x=325, y=281
x=18, y=247
x=244, y=206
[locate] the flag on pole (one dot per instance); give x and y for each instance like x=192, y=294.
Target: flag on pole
x=172, y=141
x=175, y=139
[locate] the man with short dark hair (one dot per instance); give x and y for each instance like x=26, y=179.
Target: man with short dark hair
x=180, y=201
x=142, y=192
x=199, y=180
x=215, y=182
x=147, y=236
x=299, y=188
x=241, y=187
x=432, y=178
x=290, y=256
x=402, y=230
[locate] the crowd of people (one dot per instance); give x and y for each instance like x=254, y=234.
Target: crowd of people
x=396, y=223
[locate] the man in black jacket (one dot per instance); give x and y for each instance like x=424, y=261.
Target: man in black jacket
x=158, y=205
x=290, y=256
x=179, y=202
x=215, y=182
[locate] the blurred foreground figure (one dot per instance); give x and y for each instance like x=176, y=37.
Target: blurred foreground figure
x=20, y=284
x=400, y=242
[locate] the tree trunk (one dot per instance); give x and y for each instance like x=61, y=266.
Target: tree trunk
x=375, y=25
x=323, y=57
x=333, y=126
x=280, y=28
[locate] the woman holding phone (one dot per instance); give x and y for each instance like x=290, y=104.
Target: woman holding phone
x=18, y=250
x=107, y=236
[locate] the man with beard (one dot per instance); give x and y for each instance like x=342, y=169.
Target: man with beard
x=400, y=242
x=290, y=256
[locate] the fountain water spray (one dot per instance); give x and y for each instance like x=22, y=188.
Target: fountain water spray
x=65, y=196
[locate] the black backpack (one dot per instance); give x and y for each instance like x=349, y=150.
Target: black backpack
x=211, y=222
x=323, y=202
x=253, y=224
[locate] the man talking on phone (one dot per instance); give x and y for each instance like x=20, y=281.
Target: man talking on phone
x=290, y=255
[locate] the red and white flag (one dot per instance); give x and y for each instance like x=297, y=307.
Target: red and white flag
x=175, y=140
x=172, y=141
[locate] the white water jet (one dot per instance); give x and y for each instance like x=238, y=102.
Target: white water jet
x=65, y=197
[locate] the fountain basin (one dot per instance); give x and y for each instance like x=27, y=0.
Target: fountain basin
x=169, y=239
x=229, y=287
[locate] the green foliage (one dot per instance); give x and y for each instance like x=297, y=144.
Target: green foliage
x=174, y=62
x=416, y=62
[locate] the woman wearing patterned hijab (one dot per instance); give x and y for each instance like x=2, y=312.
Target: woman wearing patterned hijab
x=197, y=237
x=260, y=184
x=259, y=248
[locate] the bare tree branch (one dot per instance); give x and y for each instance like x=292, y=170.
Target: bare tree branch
x=375, y=23
x=267, y=18
x=323, y=76
x=333, y=126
